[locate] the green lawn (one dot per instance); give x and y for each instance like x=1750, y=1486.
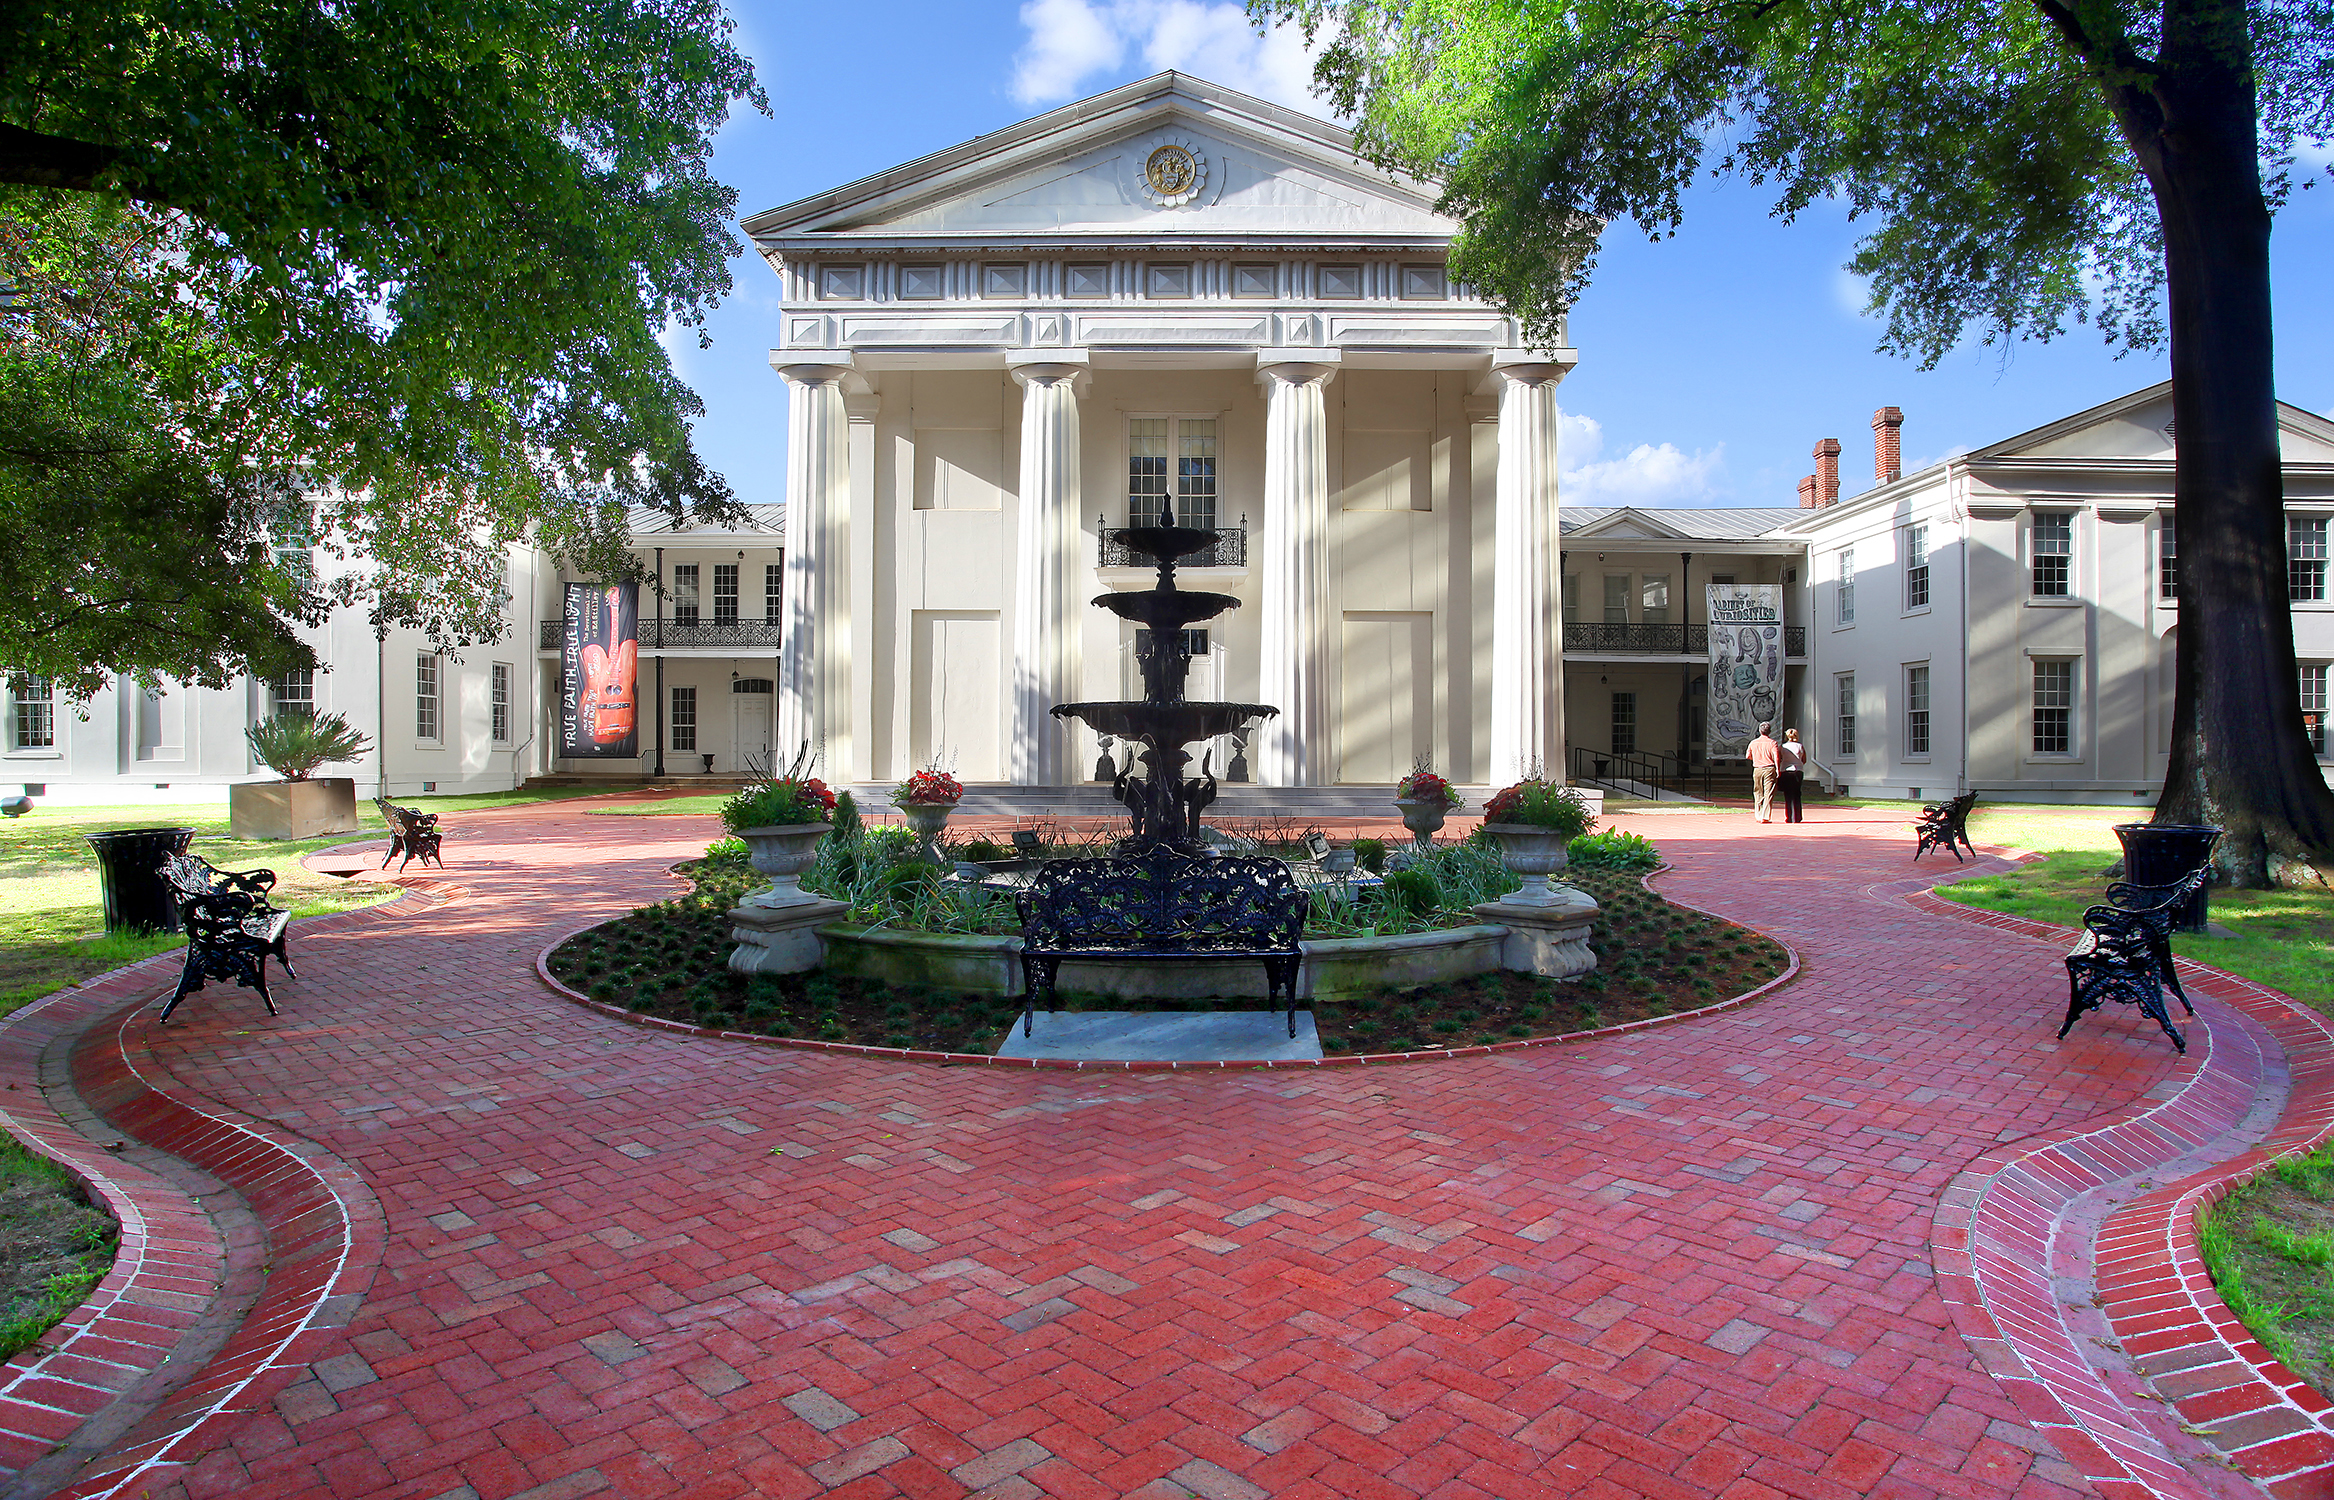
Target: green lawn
x=474, y=801
x=2283, y=939
x=52, y=924
x=670, y=807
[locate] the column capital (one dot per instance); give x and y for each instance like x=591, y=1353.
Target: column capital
x=811, y=366
x=1529, y=368
x=1044, y=366
x=1298, y=366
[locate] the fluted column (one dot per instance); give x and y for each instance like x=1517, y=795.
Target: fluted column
x=1045, y=576
x=1293, y=575
x=1527, y=653
x=818, y=500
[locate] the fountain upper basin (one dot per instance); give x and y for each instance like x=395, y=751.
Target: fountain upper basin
x=1168, y=723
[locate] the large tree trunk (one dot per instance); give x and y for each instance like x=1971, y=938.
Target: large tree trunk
x=2239, y=756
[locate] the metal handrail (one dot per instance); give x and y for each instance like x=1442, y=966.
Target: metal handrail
x=1230, y=551
x=1648, y=768
x=1667, y=640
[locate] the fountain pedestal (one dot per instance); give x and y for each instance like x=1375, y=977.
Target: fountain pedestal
x=1546, y=938
x=781, y=939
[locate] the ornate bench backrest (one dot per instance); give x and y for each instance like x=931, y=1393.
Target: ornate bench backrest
x=1164, y=901
x=189, y=875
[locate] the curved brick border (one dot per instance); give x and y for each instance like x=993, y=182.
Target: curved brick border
x=1342, y=1060
x=324, y=1234
x=1994, y=1233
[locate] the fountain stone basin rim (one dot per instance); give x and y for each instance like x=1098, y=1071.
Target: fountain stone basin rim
x=1334, y=968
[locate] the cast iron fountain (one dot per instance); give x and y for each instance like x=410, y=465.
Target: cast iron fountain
x=1163, y=805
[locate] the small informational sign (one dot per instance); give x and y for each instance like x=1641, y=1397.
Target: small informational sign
x=599, y=692
x=1746, y=663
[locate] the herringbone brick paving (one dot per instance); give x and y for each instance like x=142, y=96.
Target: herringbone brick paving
x=1690, y=1261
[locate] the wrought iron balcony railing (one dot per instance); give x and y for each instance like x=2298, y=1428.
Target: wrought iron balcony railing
x=1660, y=640
x=672, y=634
x=1230, y=551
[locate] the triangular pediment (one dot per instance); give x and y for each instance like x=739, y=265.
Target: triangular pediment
x=1170, y=157
x=2141, y=426
x=1625, y=524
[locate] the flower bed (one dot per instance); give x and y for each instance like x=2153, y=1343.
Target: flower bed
x=668, y=961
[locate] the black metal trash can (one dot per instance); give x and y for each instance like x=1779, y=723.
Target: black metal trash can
x=2162, y=853
x=129, y=873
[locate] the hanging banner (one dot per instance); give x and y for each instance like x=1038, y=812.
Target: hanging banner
x=1746, y=664
x=599, y=692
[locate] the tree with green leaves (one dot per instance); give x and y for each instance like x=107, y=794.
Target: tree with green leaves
x=388, y=278
x=2025, y=165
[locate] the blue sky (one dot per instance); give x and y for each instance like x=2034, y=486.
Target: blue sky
x=1711, y=363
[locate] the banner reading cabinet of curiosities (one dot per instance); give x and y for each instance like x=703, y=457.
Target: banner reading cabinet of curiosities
x=599, y=663
x=1746, y=663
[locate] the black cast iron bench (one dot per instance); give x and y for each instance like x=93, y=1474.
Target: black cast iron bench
x=1945, y=824
x=2125, y=953
x=1161, y=906
x=412, y=833
x=232, y=928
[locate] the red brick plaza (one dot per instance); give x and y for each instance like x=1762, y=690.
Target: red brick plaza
x=439, y=1233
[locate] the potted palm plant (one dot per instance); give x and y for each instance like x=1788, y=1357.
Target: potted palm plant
x=302, y=805
x=1535, y=822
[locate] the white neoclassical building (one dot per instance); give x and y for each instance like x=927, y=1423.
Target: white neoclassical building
x=1168, y=293
x=1174, y=294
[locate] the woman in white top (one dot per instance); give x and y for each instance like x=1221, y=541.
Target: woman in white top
x=1790, y=774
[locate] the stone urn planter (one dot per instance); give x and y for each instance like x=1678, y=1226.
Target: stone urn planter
x=1533, y=854
x=292, y=809
x=1423, y=816
x=927, y=819
x=783, y=853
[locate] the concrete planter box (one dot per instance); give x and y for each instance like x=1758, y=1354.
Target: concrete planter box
x=292, y=809
x=1334, y=968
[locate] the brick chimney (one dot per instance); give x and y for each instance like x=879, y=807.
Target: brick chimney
x=1807, y=492
x=1827, y=472
x=1887, y=445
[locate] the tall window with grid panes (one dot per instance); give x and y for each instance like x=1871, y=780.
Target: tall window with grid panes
x=685, y=599
x=725, y=593
x=499, y=701
x=2167, y=560
x=684, y=720
x=2053, y=539
x=425, y=697
x=32, y=718
x=2054, y=707
x=1916, y=567
x=2305, y=560
x=293, y=693
x=1181, y=449
x=1847, y=610
x=1916, y=709
x=773, y=591
x=1844, y=720
x=2314, y=706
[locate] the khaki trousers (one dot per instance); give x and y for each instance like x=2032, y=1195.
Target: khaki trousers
x=1762, y=790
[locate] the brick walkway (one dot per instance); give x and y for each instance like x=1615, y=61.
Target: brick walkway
x=1693, y=1261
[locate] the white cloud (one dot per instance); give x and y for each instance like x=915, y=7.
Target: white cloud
x=1071, y=41
x=1646, y=475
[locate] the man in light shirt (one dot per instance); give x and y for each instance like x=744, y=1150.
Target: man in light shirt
x=1766, y=759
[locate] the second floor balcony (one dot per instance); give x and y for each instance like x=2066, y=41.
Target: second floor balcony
x=681, y=635
x=1620, y=638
